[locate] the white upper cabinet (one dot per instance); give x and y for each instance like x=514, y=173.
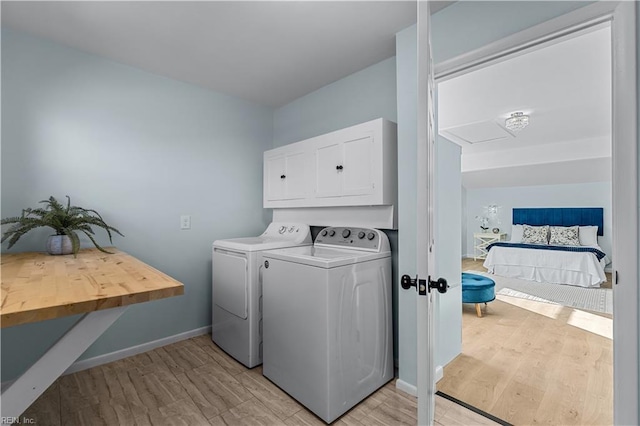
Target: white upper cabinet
x=328, y=176
x=285, y=176
x=356, y=166
x=345, y=167
x=358, y=177
x=274, y=176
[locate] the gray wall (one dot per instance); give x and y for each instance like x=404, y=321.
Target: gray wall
x=465, y=230
x=597, y=194
x=362, y=96
x=365, y=95
x=142, y=150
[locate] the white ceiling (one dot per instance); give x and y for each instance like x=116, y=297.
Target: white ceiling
x=565, y=88
x=269, y=52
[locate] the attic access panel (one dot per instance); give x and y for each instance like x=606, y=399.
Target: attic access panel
x=473, y=133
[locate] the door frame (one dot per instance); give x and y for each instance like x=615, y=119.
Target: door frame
x=621, y=15
x=425, y=226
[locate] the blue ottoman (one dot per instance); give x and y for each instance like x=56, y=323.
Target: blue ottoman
x=477, y=289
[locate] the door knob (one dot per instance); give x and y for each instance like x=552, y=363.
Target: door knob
x=440, y=284
x=407, y=282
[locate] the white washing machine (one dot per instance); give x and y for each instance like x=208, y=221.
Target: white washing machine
x=327, y=319
x=237, y=288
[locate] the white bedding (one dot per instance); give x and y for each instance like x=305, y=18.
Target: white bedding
x=550, y=266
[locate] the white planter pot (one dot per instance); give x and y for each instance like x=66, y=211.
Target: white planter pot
x=59, y=244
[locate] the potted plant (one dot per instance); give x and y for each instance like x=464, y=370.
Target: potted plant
x=66, y=221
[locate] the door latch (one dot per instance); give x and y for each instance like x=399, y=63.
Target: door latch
x=440, y=284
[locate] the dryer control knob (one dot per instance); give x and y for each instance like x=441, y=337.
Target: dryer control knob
x=324, y=233
x=371, y=235
x=361, y=235
x=332, y=233
x=346, y=233
x=282, y=229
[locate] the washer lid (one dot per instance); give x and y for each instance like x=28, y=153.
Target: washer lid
x=323, y=257
x=277, y=235
x=256, y=243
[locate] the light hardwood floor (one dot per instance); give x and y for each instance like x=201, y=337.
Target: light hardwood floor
x=194, y=383
x=532, y=363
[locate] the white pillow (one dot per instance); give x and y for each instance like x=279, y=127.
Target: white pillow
x=535, y=234
x=588, y=235
x=564, y=235
x=516, y=233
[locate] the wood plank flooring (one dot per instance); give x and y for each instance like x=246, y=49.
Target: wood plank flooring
x=522, y=362
x=532, y=363
x=194, y=383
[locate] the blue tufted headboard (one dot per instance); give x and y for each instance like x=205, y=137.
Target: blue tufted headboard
x=563, y=216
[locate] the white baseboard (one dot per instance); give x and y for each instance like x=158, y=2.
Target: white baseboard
x=406, y=387
x=608, y=269
x=413, y=390
x=439, y=373
x=134, y=350
x=6, y=384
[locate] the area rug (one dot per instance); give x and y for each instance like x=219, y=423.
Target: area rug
x=590, y=299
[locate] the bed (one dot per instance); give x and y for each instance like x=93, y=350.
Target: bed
x=579, y=265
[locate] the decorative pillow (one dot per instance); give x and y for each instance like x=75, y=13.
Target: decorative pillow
x=535, y=234
x=516, y=233
x=564, y=236
x=588, y=235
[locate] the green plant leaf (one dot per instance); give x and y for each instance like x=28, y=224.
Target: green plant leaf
x=75, y=241
x=8, y=220
x=95, y=243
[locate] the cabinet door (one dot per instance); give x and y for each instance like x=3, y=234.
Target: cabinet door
x=329, y=169
x=357, y=174
x=275, y=177
x=296, y=172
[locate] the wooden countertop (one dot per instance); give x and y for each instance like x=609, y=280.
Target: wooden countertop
x=38, y=286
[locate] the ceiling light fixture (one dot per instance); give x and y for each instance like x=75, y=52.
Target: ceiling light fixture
x=516, y=122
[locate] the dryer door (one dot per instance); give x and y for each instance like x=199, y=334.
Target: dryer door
x=230, y=281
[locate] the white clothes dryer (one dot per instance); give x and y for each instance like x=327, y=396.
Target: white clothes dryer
x=237, y=288
x=327, y=319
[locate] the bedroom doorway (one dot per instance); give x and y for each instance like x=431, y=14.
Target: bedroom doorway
x=511, y=389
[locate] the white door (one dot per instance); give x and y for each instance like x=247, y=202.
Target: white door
x=425, y=201
x=329, y=170
x=295, y=171
x=357, y=172
x=231, y=281
x=285, y=176
x=274, y=175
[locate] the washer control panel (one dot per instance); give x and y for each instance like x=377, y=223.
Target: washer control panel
x=357, y=238
x=287, y=231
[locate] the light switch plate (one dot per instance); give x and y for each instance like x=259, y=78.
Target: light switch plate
x=185, y=222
